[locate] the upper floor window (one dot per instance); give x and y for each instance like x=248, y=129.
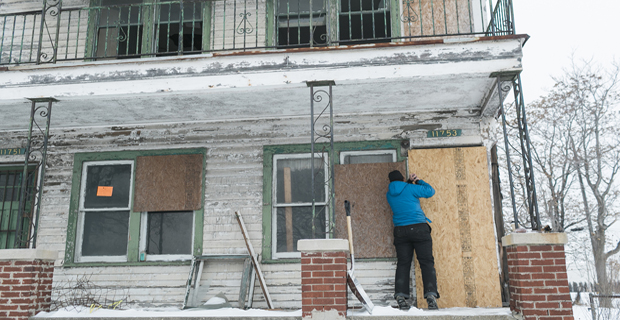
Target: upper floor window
x=130, y=28
x=332, y=21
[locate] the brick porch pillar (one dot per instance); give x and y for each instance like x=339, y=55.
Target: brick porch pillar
x=25, y=282
x=323, y=278
x=537, y=272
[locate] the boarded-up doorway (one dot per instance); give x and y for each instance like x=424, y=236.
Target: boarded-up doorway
x=463, y=230
x=365, y=185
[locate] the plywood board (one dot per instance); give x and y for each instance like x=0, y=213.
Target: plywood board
x=463, y=228
x=168, y=183
x=365, y=186
x=432, y=17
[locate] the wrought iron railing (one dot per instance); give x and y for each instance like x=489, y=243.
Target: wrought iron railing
x=136, y=28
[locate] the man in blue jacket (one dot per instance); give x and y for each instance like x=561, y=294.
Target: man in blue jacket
x=412, y=232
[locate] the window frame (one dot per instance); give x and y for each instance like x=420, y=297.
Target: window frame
x=391, y=152
x=82, y=212
x=332, y=23
x=75, y=224
x=271, y=151
x=149, y=33
x=35, y=168
x=275, y=206
x=161, y=257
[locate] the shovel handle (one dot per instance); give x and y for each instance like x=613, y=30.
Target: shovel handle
x=347, y=208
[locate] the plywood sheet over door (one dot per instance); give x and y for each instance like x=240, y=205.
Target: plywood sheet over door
x=365, y=185
x=463, y=229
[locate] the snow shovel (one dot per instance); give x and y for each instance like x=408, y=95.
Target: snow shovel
x=355, y=285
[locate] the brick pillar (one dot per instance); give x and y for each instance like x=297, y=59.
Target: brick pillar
x=25, y=282
x=323, y=278
x=537, y=272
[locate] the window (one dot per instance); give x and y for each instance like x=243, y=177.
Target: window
x=375, y=156
x=104, y=211
x=287, y=191
x=137, y=206
x=297, y=23
x=167, y=235
x=356, y=21
x=366, y=20
x=292, y=198
x=129, y=28
x=10, y=192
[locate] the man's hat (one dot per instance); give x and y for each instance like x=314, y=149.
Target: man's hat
x=396, y=176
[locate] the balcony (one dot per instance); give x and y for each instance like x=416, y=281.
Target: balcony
x=121, y=29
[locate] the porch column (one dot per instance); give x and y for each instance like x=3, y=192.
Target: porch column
x=25, y=282
x=323, y=278
x=537, y=275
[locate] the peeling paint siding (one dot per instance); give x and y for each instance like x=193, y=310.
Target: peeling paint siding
x=233, y=183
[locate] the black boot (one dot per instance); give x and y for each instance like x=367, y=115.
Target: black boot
x=402, y=303
x=432, y=302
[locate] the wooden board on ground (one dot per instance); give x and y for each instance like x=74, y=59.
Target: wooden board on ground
x=365, y=185
x=463, y=228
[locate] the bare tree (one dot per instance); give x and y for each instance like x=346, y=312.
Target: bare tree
x=576, y=155
x=591, y=94
x=550, y=129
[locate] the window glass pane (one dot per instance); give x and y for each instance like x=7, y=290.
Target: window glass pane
x=295, y=6
x=365, y=19
x=300, y=186
x=372, y=158
x=302, y=225
x=113, y=12
x=294, y=23
x=105, y=233
x=169, y=232
x=178, y=32
x=116, y=176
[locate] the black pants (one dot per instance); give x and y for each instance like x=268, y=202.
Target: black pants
x=407, y=239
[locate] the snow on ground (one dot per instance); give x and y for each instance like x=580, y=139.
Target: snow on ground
x=234, y=312
x=581, y=312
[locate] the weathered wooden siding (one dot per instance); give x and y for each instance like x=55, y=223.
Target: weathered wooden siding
x=233, y=183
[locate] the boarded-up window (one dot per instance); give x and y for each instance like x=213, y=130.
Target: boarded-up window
x=463, y=230
x=365, y=185
x=168, y=183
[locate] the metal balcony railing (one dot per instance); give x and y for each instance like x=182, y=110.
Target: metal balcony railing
x=114, y=29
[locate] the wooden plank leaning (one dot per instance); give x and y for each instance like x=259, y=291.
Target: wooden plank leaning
x=253, y=256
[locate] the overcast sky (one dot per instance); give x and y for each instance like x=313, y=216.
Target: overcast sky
x=590, y=28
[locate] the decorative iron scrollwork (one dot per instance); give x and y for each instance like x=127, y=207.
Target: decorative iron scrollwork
x=245, y=27
x=409, y=15
x=322, y=130
x=51, y=12
x=36, y=151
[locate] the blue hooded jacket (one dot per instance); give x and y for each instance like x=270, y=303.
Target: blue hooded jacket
x=405, y=203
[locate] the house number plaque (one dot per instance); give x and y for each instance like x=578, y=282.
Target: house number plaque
x=443, y=133
x=12, y=151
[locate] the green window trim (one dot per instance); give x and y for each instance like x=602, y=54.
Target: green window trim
x=148, y=22
x=133, y=252
x=333, y=12
x=271, y=150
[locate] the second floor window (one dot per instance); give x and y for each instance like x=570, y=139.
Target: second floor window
x=332, y=22
x=130, y=28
